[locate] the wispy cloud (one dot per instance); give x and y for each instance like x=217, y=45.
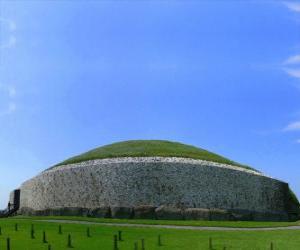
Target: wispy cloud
x=293, y=6
x=12, y=92
x=293, y=126
x=293, y=72
x=292, y=64
x=292, y=60
x=10, y=43
x=298, y=141
x=10, y=24
x=11, y=106
x=9, y=40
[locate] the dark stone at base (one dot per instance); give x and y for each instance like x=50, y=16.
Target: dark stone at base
x=122, y=212
x=100, y=212
x=219, y=215
x=73, y=211
x=196, y=214
x=163, y=213
x=293, y=216
x=168, y=213
x=265, y=216
x=241, y=215
x=40, y=213
x=54, y=212
x=144, y=212
x=26, y=211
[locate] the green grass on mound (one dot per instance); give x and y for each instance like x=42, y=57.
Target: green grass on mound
x=101, y=237
x=148, y=148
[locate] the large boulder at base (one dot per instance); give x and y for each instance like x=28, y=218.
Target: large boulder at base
x=219, y=215
x=53, y=212
x=168, y=213
x=26, y=211
x=196, y=214
x=100, y=212
x=74, y=211
x=122, y=212
x=241, y=215
x=144, y=212
x=45, y=212
x=293, y=216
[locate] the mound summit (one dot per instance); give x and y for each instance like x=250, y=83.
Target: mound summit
x=150, y=148
x=159, y=180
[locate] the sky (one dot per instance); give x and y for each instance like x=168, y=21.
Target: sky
x=220, y=75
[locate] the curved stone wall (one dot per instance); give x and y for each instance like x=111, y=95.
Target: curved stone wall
x=155, y=181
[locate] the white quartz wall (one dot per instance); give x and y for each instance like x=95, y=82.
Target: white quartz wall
x=153, y=181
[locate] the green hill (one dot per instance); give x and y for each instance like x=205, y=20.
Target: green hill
x=148, y=148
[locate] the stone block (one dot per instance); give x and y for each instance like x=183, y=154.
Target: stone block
x=26, y=211
x=241, y=215
x=100, y=212
x=168, y=213
x=293, y=217
x=144, y=212
x=196, y=214
x=122, y=212
x=74, y=211
x=219, y=215
x=267, y=216
x=45, y=212
x=54, y=212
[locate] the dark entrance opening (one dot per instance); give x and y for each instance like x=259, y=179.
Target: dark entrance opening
x=16, y=200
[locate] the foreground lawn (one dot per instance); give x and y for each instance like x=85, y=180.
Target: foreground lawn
x=240, y=224
x=172, y=239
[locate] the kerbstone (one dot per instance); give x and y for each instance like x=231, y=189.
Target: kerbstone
x=144, y=212
x=219, y=215
x=122, y=212
x=100, y=212
x=196, y=214
x=169, y=213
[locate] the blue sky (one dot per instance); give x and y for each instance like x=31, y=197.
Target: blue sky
x=222, y=75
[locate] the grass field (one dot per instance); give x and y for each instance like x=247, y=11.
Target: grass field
x=172, y=239
x=235, y=224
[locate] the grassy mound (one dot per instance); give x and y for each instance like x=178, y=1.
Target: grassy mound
x=148, y=148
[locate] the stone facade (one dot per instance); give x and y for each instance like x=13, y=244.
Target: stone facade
x=122, y=184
